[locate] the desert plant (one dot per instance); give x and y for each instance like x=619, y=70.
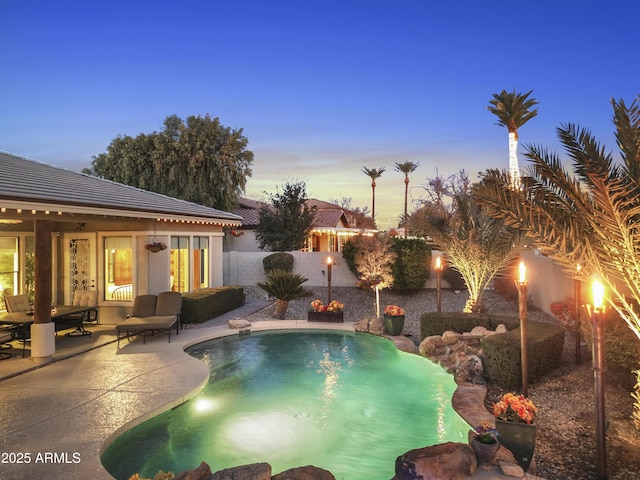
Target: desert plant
x=284, y=286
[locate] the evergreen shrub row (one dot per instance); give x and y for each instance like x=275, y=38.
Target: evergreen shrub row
x=207, y=303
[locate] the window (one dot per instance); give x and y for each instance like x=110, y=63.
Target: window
x=118, y=268
x=179, y=264
x=200, y=263
x=9, y=267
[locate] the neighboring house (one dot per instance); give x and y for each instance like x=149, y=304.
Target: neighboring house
x=330, y=231
x=89, y=233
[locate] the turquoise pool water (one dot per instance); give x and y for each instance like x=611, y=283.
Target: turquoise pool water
x=347, y=402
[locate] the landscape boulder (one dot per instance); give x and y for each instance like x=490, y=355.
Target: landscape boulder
x=445, y=461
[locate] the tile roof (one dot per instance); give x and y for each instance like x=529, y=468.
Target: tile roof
x=24, y=180
x=327, y=214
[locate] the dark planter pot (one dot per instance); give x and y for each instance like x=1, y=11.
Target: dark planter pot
x=333, y=317
x=393, y=325
x=520, y=438
x=485, y=452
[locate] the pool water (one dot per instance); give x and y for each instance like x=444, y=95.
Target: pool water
x=346, y=402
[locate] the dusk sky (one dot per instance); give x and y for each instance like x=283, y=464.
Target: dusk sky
x=321, y=89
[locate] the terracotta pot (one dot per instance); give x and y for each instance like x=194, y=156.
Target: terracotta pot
x=485, y=452
x=281, y=309
x=520, y=438
x=393, y=325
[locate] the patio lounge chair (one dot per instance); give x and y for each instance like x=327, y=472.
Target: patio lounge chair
x=17, y=303
x=152, y=314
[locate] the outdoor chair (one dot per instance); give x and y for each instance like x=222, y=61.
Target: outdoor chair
x=152, y=314
x=6, y=335
x=17, y=303
x=87, y=298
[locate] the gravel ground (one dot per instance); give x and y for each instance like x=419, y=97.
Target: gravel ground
x=565, y=444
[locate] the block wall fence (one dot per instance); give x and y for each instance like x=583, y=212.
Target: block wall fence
x=547, y=282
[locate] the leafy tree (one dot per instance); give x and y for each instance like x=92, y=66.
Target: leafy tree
x=513, y=111
x=475, y=244
x=411, y=267
x=285, y=224
x=406, y=168
x=199, y=160
x=373, y=174
x=357, y=217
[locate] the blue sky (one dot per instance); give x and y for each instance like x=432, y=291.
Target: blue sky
x=321, y=89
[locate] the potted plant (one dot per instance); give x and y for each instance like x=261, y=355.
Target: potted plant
x=485, y=444
x=515, y=417
x=393, y=319
x=284, y=286
x=333, y=312
x=155, y=247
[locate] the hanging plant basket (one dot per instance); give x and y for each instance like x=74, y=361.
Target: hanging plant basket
x=155, y=247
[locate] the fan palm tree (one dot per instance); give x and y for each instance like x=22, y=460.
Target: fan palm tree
x=513, y=111
x=590, y=216
x=406, y=168
x=373, y=173
x=284, y=286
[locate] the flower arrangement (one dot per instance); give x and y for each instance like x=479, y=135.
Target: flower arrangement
x=156, y=246
x=393, y=311
x=486, y=433
x=515, y=408
x=334, y=306
x=565, y=312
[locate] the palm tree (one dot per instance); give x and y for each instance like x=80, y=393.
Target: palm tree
x=513, y=111
x=373, y=173
x=284, y=286
x=589, y=217
x=406, y=168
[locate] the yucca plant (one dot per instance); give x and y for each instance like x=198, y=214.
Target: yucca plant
x=284, y=286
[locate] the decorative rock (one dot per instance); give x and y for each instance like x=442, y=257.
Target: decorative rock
x=376, y=327
x=479, y=330
x=255, y=471
x=305, y=473
x=200, y=473
x=361, y=325
x=445, y=461
x=468, y=369
x=501, y=328
x=403, y=343
x=239, y=324
x=449, y=337
x=511, y=469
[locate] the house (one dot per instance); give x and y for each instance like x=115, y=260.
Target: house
x=62, y=231
x=331, y=229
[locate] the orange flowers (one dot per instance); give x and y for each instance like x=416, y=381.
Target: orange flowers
x=333, y=306
x=393, y=310
x=515, y=408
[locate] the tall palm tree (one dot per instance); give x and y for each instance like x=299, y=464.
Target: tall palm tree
x=589, y=217
x=513, y=111
x=406, y=168
x=373, y=173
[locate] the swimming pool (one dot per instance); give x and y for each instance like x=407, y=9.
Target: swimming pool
x=343, y=401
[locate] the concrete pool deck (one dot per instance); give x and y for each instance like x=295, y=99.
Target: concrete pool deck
x=57, y=417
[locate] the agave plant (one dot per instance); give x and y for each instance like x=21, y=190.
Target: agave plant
x=284, y=286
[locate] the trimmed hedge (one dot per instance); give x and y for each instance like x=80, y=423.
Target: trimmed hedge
x=433, y=323
x=207, y=303
x=501, y=351
x=502, y=354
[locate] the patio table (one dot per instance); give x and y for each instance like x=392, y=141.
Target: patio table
x=60, y=316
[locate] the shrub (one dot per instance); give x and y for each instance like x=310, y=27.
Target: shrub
x=207, y=303
x=278, y=261
x=411, y=267
x=621, y=346
x=453, y=278
x=433, y=323
x=502, y=354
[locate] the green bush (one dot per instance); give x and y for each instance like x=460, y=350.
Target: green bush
x=278, y=261
x=453, y=278
x=621, y=346
x=411, y=268
x=433, y=323
x=502, y=354
x=207, y=303
x=349, y=251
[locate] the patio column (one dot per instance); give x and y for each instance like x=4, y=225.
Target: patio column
x=43, y=330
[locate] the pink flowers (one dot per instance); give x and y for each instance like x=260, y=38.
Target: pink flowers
x=333, y=306
x=393, y=311
x=515, y=408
